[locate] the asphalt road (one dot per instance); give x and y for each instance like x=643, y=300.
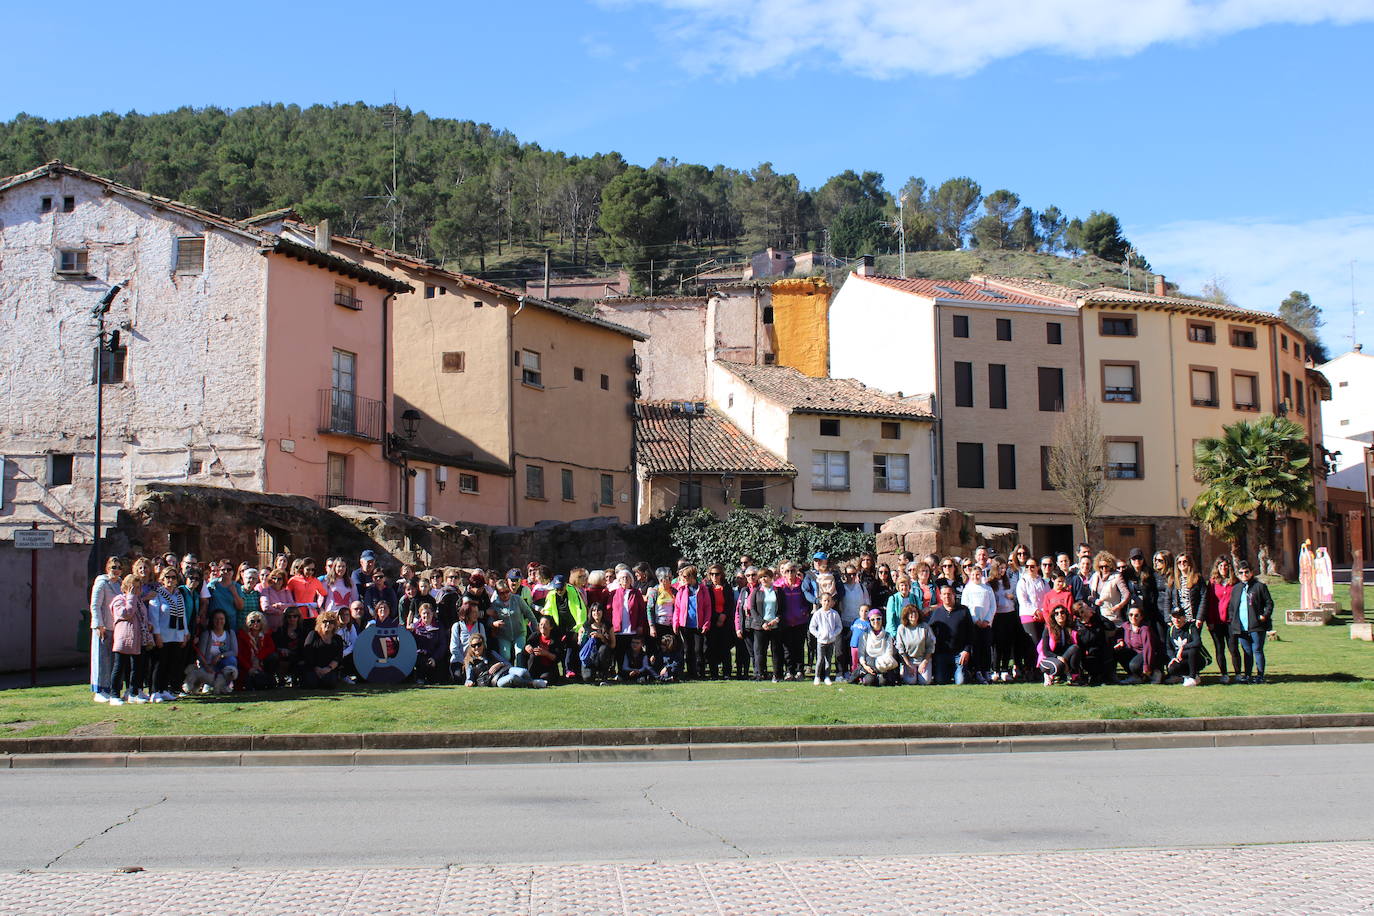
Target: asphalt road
x=291, y=817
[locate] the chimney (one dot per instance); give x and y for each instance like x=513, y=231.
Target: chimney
x=322, y=236
x=865, y=268
x=1159, y=285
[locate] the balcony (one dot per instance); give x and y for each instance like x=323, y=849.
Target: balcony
x=1122, y=395
x=343, y=413
x=330, y=500
x=347, y=300
x=1123, y=471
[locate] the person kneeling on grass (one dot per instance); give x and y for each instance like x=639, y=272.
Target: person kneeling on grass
x=1137, y=649
x=543, y=651
x=877, y=657
x=482, y=667
x=217, y=664
x=914, y=644
x=1186, y=643
x=635, y=667
x=322, y=654
x=667, y=662
x=597, y=652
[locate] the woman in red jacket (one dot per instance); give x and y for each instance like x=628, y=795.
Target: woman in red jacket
x=256, y=649
x=1216, y=603
x=629, y=614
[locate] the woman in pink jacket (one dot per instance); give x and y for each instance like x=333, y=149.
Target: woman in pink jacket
x=692, y=620
x=131, y=633
x=629, y=614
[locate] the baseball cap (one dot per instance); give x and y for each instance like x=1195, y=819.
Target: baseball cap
x=820, y=555
x=558, y=582
x=367, y=555
x=1136, y=554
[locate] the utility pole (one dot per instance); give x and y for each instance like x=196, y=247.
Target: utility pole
x=99, y=312
x=547, y=293
x=901, y=233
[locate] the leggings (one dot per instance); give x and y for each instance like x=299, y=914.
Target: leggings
x=1006, y=630
x=764, y=641
x=794, y=645
x=693, y=652
x=1061, y=665
x=168, y=670
x=1026, y=641
x=1223, y=641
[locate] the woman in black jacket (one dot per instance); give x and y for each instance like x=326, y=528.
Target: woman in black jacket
x=1187, y=591
x=763, y=619
x=322, y=653
x=1185, y=647
x=1095, y=636
x=1251, y=618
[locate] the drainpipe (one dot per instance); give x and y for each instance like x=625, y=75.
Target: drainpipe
x=510, y=410
x=937, y=467
x=386, y=368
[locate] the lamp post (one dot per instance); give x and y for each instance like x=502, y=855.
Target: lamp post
x=410, y=425
x=99, y=312
x=691, y=410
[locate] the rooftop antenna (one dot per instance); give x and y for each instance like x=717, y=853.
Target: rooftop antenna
x=1355, y=312
x=391, y=115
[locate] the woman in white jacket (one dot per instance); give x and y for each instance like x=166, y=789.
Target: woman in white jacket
x=103, y=592
x=167, y=615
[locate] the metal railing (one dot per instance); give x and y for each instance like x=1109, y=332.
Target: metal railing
x=344, y=413
x=347, y=300
x=330, y=500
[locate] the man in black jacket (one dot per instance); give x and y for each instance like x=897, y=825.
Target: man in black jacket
x=953, y=631
x=1250, y=618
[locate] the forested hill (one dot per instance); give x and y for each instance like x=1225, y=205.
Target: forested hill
x=471, y=194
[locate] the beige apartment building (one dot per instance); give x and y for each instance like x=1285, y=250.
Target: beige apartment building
x=525, y=407
x=1165, y=372
x=1000, y=366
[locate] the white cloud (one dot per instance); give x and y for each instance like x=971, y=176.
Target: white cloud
x=1260, y=261
x=888, y=38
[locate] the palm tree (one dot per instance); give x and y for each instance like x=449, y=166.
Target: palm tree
x=1255, y=468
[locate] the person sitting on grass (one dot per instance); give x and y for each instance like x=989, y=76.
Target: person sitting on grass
x=914, y=644
x=429, y=647
x=322, y=654
x=1095, y=636
x=289, y=640
x=217, y=654
x=484, y=668
x=1058, y=654
x=597, y=651
x=667, y=662
x=635, y=667
x=543, y=651
x=1137, y=649
x=877, y=657
x=1186, y=644
x=255, y=651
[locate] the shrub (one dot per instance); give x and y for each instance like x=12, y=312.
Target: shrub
x=699, y=536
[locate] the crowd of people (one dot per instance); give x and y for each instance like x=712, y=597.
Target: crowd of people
x=162, y=627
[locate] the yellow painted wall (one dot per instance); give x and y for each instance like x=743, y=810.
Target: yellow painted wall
x=801, y=323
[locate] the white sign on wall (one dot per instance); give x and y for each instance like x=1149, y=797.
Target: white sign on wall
x=32, y=539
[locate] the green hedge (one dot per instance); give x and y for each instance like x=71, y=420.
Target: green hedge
x=701, y=537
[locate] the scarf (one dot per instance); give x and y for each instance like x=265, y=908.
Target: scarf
x=176, y=607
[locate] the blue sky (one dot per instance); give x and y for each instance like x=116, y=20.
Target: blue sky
x=1232, y=137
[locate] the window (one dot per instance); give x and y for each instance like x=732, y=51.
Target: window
x=891, y=474
x=197, y=466
x=190, y=255
x=607, y=490
x=1283, y=342
x=1243, y=337
x=1046, y=456
x=605, y=383
x=429, y=291
x=336, y=474
x=1300, y=400
x=345, y=295
x=531, y=369
x=1004, y=329
x=830, y=427
x=1245, y=388
x=969, y=461
x=566, y=478
x=343, y=374
x=1054, y=332
x=1287, y=390
x=689, y=494
x=72, y=261
x=1118, y=326
x=68, y=204
x=752, y=491
x=1121, y=382
x=1202, y=332
x=578, y=374
x=1204, y=387
x=111, y=362
x=963, y=384
x=59, y=470
x=960, y=325
x=768, y=314
x=45, y=205
x=534, y=481
x=1051, y=384
x=467, y=483
x=1123, y=459
x=769, y=359
x=892, y=430
x=829, y=470
x=1006, y=467
x=456, y=361
x=997, y=386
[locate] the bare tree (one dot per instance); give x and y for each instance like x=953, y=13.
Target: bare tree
x=1078, y=463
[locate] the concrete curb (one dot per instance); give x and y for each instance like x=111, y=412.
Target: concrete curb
x=738, y=750
x=644, y=737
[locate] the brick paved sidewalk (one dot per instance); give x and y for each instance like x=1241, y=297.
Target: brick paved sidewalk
x=1305, y=879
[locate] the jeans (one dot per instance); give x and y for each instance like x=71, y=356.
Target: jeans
x=516, y=677
x=744, y=654
x=1253, y=645
x=947, y=669
x=124, y=674
x=918, y=673
x=825, y=659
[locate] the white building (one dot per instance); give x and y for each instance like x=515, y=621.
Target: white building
x=1348, y=418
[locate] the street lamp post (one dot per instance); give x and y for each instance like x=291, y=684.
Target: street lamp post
x=99, y=312
x=691, y=410
x=410, y=423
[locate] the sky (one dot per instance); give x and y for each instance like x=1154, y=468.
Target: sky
x=1232, y=137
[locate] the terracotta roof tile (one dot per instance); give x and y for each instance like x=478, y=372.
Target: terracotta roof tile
x=950, y=290
x=804, y=394
x=1113, y=295
x=718, y=446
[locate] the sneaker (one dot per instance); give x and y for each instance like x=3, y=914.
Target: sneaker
x=1049, y=680
x=115, y=701
x=539, y=682
x=206, y=689
x=1190, y=682
x=156, y=698
x=138, y=698
x=776, y=679
x=816, y=680
x=1242, y=678
x=100, y=696
x=1257, y=679
x=350, y=680
x=1226, y=680
x=1132, y=680
x=828, y=682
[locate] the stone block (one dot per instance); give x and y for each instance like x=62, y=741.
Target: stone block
x=629, y=753
x=68, y=761
x=1344, y=736
x=533, y=738
x=1307, y=617
x=744, y=750
x=184, y=759
x=731, y=734
x=1146, y=741
x=892, y=748
x=399, y=757
x=1040, y=743
x=506, y=755
x=1265, y=738
x=306, y=742
x=956, y=746
x=1363, y=631
x=303, y=758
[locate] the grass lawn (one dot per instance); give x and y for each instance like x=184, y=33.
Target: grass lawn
x=1311, y=670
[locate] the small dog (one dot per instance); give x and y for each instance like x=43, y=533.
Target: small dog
x=200, y=679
